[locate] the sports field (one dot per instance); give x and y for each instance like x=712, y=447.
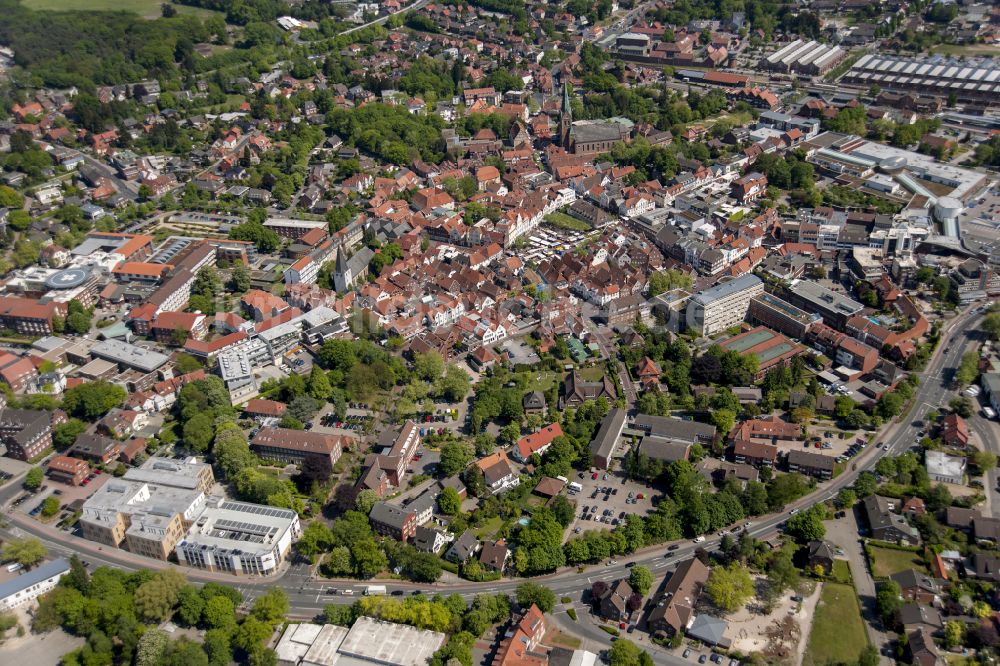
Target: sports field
x=144, y=8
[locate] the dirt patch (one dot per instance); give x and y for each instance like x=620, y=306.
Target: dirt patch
x=780, y=634
x=37, y=649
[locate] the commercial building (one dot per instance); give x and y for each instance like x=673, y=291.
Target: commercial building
x=27, y=316
x=944, y=468
x=810, y=58
x=31, y=584
x=129, y=356
x=602, y=448
x=289, y=228
x=367, y=641
x=297, y=446
x=723, y=306
x=834, y=307
x=239, y=538
x=770, y=311
x=186, y=475
x=144, y=519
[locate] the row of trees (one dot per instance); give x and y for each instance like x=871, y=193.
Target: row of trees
x=118, y=613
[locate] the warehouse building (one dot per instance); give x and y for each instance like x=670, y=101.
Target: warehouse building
x=367, y=641
x=968, y=80
x=810, y=58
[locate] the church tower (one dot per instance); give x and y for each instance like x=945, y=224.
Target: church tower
x=342, y=277
x=565, y=120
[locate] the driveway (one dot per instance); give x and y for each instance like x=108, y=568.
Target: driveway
x=844, y=532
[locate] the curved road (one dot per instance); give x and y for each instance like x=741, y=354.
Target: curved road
x=308, y=595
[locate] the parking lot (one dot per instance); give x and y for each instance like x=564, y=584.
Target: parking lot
x=605, y=501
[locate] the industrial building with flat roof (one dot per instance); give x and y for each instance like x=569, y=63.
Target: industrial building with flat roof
x=723, y=306
x=773, y=312
x=969, y=80
x=239, y=537
x=368, y=641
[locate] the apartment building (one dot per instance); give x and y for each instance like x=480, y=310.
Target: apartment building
x=390, y=520
x=185, y=475
x=71, y=471
x=723, y=306
x=28, y=316
x=26, y=433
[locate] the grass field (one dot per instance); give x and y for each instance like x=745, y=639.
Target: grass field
x=888, y=561
x=146, y=8
x=967, y=49
x=838, y=634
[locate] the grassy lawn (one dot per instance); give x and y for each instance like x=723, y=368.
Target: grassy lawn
x=838, y=634
x=488, y=528
x=966, y=49
x=145, y=8
x=842, y=572
x=592, y=374
x=888, y=561
x=558, y=638
x=564, y=221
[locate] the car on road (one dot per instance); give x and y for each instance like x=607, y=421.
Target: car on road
x=331, y=590
x=673, y=546
x=793, y=512
x=700, y=539
x=702, y=659
x=687, y=653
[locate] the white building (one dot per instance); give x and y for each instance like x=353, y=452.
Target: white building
x=944, y=468
x=30, y=585
x=239, y=538
x=723, y=306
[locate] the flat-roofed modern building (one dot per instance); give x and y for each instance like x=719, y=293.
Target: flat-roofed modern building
x=367, y=641
x=239, y=538
x=771, y=349
x=186, y=475
x=723, y=306
x=773, y=312
x=968, y=81
x=835, y=308
x=602, y=448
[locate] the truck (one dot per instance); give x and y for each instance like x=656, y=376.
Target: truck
x=374, y=589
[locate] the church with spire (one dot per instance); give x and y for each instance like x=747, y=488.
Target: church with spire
x=565, y=120
x=590, y=137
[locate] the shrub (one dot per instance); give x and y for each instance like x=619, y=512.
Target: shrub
x=572, y=614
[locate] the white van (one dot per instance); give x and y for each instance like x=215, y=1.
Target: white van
x=374, y=589
x=699, y=539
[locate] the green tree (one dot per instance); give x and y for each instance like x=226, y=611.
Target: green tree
x=640, y=578
x=968, y=368
x=92, y=400
x=219, y=613
x=455, y=456
x=365, y=500
x=190, y=605
x=27, y=552
x=954, y=633
x=151, y=647
x=991, y=325
x=624, y=652
x=888, y=602
x=198, y=432
x=729, y=587
x=239, y=279
x=156, y=599
x=807, y=525
x=315, y=539
x=33, y=479
x=428, y=366
x=50, y=506
x=532, y=593
x=449, y=501
x=271, y=607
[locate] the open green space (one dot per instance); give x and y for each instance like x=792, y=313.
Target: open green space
x=145, y=8
x=967, y=49
x=838, y=633
x=887, y=561
x=564, y=221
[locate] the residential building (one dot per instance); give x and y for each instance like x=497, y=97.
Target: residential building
x=954, y=431
x=537, y=442
x=463, y=548
x=915, y=586
x=576, y=391
x=498, y=472
x=723, y=306
x=494, y=555
x=614, y=602
x=27, y=433
x=886, y=524
x=71, y=471
x=393, y=521
x=811, y=464
x=675, y=610
x=519, y=645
